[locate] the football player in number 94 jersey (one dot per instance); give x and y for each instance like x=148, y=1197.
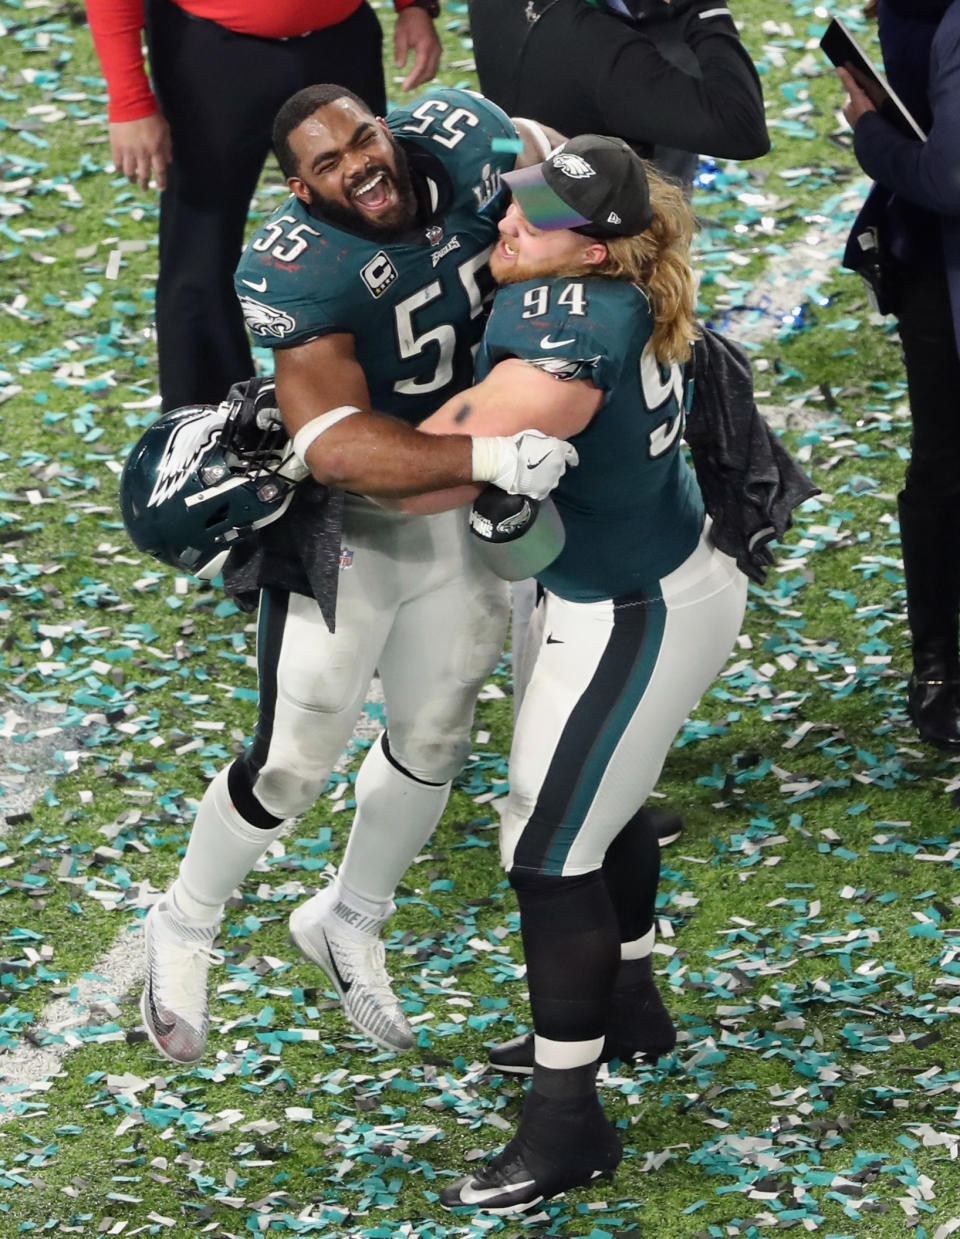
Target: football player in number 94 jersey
x=369, y=284
x=639, y=611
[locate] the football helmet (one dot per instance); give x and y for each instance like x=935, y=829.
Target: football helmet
x=201, y=478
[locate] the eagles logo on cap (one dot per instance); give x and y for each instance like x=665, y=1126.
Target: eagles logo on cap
x=572, y=165
x=593, y=184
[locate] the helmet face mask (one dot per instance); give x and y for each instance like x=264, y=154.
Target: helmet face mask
x=198, y=481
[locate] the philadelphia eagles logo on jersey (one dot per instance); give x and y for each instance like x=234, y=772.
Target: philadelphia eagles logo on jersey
x=264, y=320
x=190, y=440
x=566, y=368
x=574, y=166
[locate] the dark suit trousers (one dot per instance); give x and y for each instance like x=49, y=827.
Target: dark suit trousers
x=933, y=379
x=220, y=92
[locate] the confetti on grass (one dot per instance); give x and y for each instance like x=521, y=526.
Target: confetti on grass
x=806, y=921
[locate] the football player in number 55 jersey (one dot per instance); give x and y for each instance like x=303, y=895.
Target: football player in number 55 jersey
x=587, y=339
x=369, y=285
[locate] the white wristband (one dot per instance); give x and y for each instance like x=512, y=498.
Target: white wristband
x=316, y=427
x=487, y=459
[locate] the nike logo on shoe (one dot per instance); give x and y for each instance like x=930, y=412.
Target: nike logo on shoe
x=470, y=1195
x=552, y=640
x=161, y=1027
x=546, y=342
x=337, y=974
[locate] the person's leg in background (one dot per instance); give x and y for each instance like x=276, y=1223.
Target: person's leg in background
x=220, y=92
x=929, y=508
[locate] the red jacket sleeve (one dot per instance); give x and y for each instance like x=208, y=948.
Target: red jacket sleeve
x=116, y=26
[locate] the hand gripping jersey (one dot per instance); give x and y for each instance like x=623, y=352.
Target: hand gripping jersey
x=631, y=509
x=414, y=307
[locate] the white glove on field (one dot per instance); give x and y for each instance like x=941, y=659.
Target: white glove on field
x=528, y=463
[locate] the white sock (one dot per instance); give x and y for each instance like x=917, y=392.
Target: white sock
x=358, y=916
x=565, y=1054
x=222, y=849
x=639, y=948
x=396, y=815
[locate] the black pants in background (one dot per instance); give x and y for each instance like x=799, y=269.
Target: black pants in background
x=219, y=92
x=933, y=380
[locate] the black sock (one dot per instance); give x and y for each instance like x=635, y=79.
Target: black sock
x=572, y=951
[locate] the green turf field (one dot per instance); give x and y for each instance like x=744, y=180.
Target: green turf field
x=807, y=947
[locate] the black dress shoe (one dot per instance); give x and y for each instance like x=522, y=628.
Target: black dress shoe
x=934, y=709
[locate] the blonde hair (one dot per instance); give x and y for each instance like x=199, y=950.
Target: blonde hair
x=657, y=261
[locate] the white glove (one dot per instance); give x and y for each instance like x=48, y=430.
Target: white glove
x=528, y=463
x=291, y=466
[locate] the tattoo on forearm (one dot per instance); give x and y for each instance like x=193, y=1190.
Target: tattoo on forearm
x=463, y=412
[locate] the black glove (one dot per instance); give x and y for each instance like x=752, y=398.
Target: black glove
x=254, y=423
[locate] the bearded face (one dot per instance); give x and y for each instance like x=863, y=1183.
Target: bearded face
x=352, y=172
x=526, y=253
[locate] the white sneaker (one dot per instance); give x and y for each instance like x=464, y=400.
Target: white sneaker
x=354, y=960
x=174, y=1004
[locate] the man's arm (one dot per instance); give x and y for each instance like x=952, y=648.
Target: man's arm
x=323, y=395
x=415, y=32
x=513, y=396
x=139, y=136
x=920, y=172
x=714, y=108
x=516, y=395
x=538, y=141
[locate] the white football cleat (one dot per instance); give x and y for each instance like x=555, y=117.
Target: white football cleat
x=174, y=1004
x=353, y=958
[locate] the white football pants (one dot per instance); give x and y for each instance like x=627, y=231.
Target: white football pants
x=612, y=684
x=416, y=603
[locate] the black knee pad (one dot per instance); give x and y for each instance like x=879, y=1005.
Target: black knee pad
x=240, y=779
x=577, y=899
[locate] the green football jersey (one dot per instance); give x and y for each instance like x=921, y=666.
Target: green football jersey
x=416, y=307
x=631, y=510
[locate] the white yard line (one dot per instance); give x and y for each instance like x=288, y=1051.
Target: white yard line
x=26, y=1071
x=21, y=789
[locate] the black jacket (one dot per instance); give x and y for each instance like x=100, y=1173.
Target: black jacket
x=750, y=482
x=673, y=77
x=916, y=198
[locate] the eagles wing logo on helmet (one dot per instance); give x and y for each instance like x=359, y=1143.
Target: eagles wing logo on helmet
x=186, y=497
x=574, y=166
x=189, y=441
x=265, y=320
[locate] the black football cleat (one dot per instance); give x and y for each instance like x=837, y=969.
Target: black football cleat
x=575, y=1144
